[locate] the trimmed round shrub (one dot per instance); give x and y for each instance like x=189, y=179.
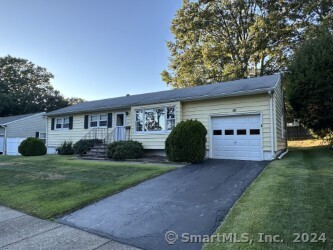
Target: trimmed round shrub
x=187, y=142
x=122, y=150
x=82, y=146
x=31, y=147
x=66, y=148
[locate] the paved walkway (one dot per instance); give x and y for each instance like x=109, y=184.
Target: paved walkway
x=21, y=231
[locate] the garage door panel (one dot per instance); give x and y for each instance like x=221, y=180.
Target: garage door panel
x=13, y=144
x=254, y=142
x=240, y=138
x=241, y=142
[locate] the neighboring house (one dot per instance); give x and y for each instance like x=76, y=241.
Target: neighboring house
x=14, y=129
x=244, y=118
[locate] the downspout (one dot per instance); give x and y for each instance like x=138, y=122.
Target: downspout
x=5, y=139
x=47, y=135
x=272, y=122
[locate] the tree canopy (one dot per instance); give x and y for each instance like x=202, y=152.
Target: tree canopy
x=220, y=40
x=309, y=83
x=26, y=88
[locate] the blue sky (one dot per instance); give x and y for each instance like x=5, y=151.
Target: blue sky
x=95, y=48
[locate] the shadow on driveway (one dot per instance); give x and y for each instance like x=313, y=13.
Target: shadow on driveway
x=193, y=199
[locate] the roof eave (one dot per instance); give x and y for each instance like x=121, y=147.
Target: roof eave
x=6, y=123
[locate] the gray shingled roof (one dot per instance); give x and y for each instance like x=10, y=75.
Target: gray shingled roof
x=7, y=119
x=238, y=87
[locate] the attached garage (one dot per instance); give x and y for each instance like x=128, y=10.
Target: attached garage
x=237, y=137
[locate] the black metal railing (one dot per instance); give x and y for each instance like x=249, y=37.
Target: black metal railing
x=96, y=133
x=107, y=136
x=118, y=134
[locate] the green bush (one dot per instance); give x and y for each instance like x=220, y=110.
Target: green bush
x=66, y=148
x=122, y=150
x=31, y=147
x=82, y=146
x=187, y=142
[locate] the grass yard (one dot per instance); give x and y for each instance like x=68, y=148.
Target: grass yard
x=292, y=195
x=49, y=186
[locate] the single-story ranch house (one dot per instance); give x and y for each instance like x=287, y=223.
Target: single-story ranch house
x=15, y=129
x=244, y=118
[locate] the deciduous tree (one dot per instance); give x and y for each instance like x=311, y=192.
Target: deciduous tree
x=26, y=88
x=219, y=40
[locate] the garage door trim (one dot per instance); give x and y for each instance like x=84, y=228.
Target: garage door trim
x=211, y=116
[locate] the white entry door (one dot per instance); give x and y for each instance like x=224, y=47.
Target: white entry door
x=237, y=137
x=120, y=130
x=2, y=144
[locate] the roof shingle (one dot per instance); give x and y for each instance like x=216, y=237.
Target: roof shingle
x=238, y=87
x=7, y=119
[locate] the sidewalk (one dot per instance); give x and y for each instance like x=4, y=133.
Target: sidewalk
x=21, y=231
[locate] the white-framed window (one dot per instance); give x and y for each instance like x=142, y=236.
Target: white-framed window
x=62, y=123
x=66, y=123
x=161, y=119
x=103, y=120
x=171, y=118
x=42, y=136
x=93, y=121
x=100, y=121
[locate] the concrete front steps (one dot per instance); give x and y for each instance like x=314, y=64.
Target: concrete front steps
x=98, y=152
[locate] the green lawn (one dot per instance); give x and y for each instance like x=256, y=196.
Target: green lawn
x=49, y=186
x=292, y=195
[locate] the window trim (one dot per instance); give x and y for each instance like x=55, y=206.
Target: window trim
x=98, y=120
x=165, y=131
x=43, y=139
x=62, y=123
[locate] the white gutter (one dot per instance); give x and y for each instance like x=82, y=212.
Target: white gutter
x=283, y=154
x=272, y=123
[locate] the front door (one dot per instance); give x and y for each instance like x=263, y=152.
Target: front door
x=120, y=130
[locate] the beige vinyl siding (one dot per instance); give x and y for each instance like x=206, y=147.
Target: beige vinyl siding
x=280, y=141
x=56, y=137
x=26, y=127
x=255, y=104
x=153, y=140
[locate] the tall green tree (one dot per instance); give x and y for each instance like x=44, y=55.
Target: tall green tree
x=219, y=40
x=26, y=88
x=309, y=83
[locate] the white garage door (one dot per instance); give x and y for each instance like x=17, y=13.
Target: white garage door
x=13, y=144
x=237, y=137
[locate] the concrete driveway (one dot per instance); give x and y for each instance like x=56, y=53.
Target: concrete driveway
x=193, y=199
